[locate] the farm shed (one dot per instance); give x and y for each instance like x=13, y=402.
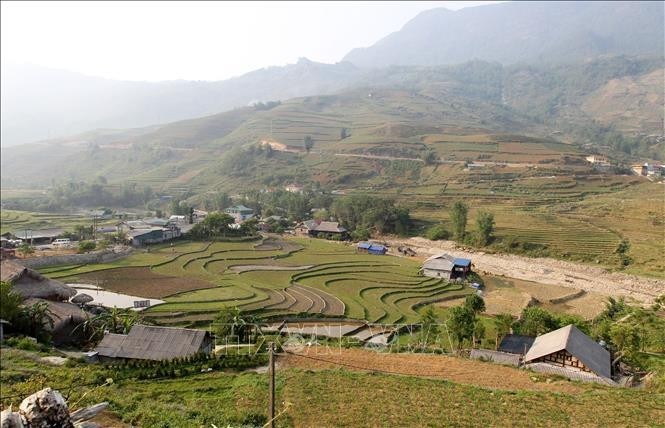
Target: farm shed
x=155, y=343
x=30, y=283
x=372, y=248
x=569, y=348
x=38, y=236
x=446, y=266
x=516, y=344
x=140, y=237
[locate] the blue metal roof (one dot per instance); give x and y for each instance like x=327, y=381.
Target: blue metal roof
x=462, y=262
x=378, y=247
x=364, y=245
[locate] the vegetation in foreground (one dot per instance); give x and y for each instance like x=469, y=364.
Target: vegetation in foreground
x=313, y=398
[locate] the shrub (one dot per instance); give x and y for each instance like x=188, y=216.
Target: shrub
x=437, y=232
x=85, y=246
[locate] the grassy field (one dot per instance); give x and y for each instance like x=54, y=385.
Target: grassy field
x=275, y=276
x=336, y=397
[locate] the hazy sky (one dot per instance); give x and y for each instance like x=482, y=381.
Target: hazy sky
x=194, y=40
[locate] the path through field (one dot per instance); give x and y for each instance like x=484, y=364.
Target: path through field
x=545, y=270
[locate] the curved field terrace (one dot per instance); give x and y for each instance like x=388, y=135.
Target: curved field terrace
x=274, y=277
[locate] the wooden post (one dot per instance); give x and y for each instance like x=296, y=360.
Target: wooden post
x=271, y=374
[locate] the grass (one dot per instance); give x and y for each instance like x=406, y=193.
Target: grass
x=330, y=397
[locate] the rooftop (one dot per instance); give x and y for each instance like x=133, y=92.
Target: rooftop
x=152, y=343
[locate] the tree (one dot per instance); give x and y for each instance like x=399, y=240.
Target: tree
x=622, y=251
x=475, y=304
x=38, y=316
x=10, y=302
x=231, y=322
x=502, y=325
x=343, y=133
x=437, y=232
x=85, y=246
x=535, y=321
x=308, y=142
x=114, y=320
x=458, y=217
x=429, y=326
x=460, y=323
x=429, y=157
x=485, y=223
x=26, y=249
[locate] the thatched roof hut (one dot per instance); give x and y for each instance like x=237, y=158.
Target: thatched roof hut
x=66, y=317
x=30, y=283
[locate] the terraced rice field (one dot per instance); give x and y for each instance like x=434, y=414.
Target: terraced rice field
x=271, y=277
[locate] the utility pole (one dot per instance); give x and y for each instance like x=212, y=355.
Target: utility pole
x=271, y=374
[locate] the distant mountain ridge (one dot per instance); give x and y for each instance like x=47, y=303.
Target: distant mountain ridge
x=40, y=103
x=521, y=32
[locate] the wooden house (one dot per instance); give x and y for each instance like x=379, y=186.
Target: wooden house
x=446, y=266
x=569, y=348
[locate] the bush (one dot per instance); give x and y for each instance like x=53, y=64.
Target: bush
x=437, y=232
x=85, y=246
x=25, y=343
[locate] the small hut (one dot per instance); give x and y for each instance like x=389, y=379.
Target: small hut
x=66, y=317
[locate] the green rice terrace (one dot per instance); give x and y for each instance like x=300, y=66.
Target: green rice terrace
x=269, y=277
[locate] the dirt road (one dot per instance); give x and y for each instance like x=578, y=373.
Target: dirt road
x=544, y=270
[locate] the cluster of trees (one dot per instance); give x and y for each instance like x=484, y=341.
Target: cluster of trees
x=267, y=105
x=365, y=214
x=221, y=225
x=459, y=215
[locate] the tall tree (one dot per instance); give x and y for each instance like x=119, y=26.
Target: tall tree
x=308, y=142
x=485, y=223
x=458, y=217
x=502, y=324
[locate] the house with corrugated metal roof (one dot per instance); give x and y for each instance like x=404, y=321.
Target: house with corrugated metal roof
x=446, y=266
x=154, y=343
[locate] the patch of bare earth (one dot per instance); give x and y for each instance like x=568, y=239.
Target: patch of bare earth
x=458, y=370
x=141, y=281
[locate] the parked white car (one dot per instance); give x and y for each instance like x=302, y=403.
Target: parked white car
x=62, y=243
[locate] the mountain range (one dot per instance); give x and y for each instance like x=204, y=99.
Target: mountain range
x=40, y=103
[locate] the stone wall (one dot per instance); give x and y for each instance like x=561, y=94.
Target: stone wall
x=102, y=256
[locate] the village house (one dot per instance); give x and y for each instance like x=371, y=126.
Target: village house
x=154, y=343
x=240, y=213
x=322, y=229
x=371, y=248
x=446, y=266
x=294, y=188
x=570, y=349
x=599, y=162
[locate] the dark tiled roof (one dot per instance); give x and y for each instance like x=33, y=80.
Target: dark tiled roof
x=153, y=343
x=516, y=344
x=579, y=345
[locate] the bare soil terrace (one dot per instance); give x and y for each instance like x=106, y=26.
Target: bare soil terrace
x=458, y=370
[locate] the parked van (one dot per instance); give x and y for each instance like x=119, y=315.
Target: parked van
x=62, y=243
